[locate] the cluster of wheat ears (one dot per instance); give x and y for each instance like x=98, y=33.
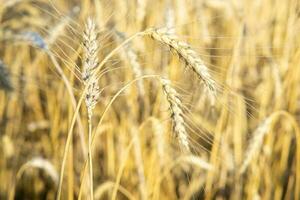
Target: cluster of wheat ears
x=172, y=99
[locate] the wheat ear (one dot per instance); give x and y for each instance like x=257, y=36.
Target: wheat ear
x=132, y=58
x=92, y=94
x=175, y=105
x=256, y=143
x=187, y=54
x=36, y=163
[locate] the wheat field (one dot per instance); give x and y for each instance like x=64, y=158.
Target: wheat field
x=150, y=99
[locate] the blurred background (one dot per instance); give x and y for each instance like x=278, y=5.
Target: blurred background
x=244, y=144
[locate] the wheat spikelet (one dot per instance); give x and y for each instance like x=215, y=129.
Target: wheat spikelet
x=186, y=53
x=177, y=113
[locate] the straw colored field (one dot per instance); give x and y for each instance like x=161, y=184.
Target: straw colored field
x=149, y=99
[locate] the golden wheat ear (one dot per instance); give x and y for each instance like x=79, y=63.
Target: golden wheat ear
x=256, y=143
x=131, y=56
x=175, y=105
x=90, y=62
x=40, y=163
x=187, y=54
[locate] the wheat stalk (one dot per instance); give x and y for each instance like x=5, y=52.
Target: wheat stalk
x=92, y=94
x=175, y=105
x=187, y=54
